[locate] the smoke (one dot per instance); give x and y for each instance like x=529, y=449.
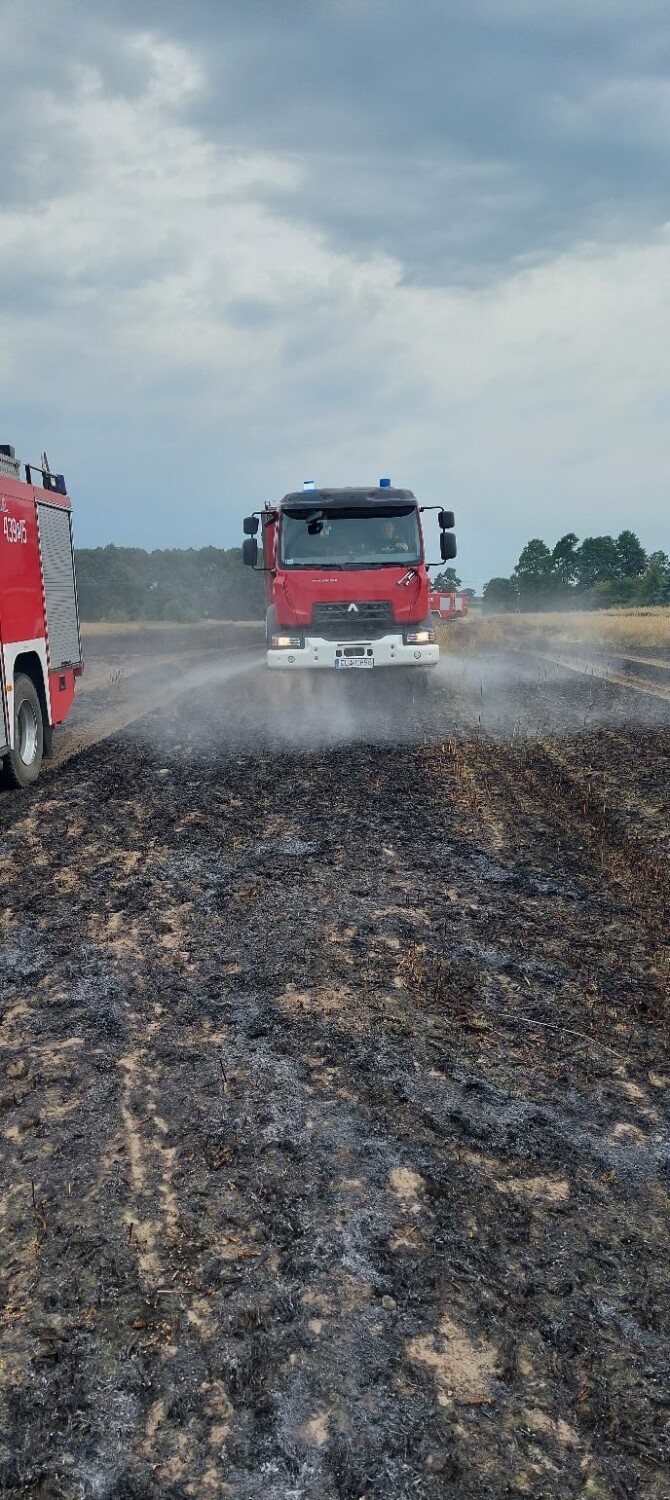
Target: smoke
x=559, y=674
x=123, y=691
x=226, y=699
x=500, y=697
x=521, y=695
x=285, y=711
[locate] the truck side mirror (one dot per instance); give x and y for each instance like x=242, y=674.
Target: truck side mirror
x=250, y=525
x=446, y=519
x=250, y=552
x=447, y=545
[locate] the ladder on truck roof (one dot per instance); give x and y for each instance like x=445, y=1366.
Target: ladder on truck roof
x=10, y=468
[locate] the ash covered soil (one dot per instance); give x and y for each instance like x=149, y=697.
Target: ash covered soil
x=334, y=1097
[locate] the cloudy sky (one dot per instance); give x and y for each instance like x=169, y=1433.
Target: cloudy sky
x=244, y=242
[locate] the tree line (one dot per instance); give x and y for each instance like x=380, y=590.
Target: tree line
x=187, y=585
x=596, y=573
x=127, y=583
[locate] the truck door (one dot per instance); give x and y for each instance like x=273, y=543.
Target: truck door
x=60, y=589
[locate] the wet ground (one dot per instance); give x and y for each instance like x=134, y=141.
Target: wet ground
x=334, y=1107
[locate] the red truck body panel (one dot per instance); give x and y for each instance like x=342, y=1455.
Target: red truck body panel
x=32, y=520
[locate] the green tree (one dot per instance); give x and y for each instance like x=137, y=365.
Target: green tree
x=654, y=586
x=447, y=579
x=533, y=574
x=631, y=555
x=598, y=561
x=501, y=594
x=564, y=560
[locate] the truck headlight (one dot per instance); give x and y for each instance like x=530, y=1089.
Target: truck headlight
x=421, y=637
x=285, y=642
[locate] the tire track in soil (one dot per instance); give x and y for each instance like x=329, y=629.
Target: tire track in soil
x=388, y=1238
x=540, y=785
x=538, y=779
x=653, y=682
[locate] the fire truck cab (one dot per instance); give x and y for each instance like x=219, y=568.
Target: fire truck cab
x=40, y=644
x=346, y=578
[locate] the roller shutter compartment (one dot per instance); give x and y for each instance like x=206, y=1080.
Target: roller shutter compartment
x=60, y=590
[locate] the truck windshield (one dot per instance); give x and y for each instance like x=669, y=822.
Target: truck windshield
x=350, y=538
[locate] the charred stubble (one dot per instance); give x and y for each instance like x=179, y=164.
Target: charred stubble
x=334, y=1105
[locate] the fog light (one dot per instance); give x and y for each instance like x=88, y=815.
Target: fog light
x=285, y=642
x=422, y=637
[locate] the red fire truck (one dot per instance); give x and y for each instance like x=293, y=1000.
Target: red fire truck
x=346, y=577
x=40, y=647
x=448, y=606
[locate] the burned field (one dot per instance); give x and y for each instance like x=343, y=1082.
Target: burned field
x=335, y=1099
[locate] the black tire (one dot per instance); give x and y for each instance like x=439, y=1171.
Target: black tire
x=23, y=763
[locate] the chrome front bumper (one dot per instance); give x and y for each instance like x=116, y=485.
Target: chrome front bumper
x=318, y=654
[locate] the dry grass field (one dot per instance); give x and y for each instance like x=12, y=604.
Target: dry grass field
x=611, y=630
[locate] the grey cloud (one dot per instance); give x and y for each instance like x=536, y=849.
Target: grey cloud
x=250, y=312
x=460, y=140
x=463, y=140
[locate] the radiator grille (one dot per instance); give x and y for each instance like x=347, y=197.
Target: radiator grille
x=338, y=621
x=59, y=586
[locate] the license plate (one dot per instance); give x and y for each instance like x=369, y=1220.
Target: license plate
x=354, y=661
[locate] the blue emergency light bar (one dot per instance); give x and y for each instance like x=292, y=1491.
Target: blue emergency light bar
x=384, y=484
x=309, y=484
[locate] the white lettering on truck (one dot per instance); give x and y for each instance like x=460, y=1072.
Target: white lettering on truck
x=14, y=531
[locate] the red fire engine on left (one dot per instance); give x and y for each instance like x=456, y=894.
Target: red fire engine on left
x=40, y=644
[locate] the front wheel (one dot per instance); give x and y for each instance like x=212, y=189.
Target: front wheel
x=23, y=763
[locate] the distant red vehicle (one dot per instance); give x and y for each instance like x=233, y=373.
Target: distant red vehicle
x=448, y=606
x=40, y=645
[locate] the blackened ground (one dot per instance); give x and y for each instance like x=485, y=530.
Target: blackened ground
x=335, y=1097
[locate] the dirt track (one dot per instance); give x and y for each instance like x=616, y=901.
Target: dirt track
x=335, y=1096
